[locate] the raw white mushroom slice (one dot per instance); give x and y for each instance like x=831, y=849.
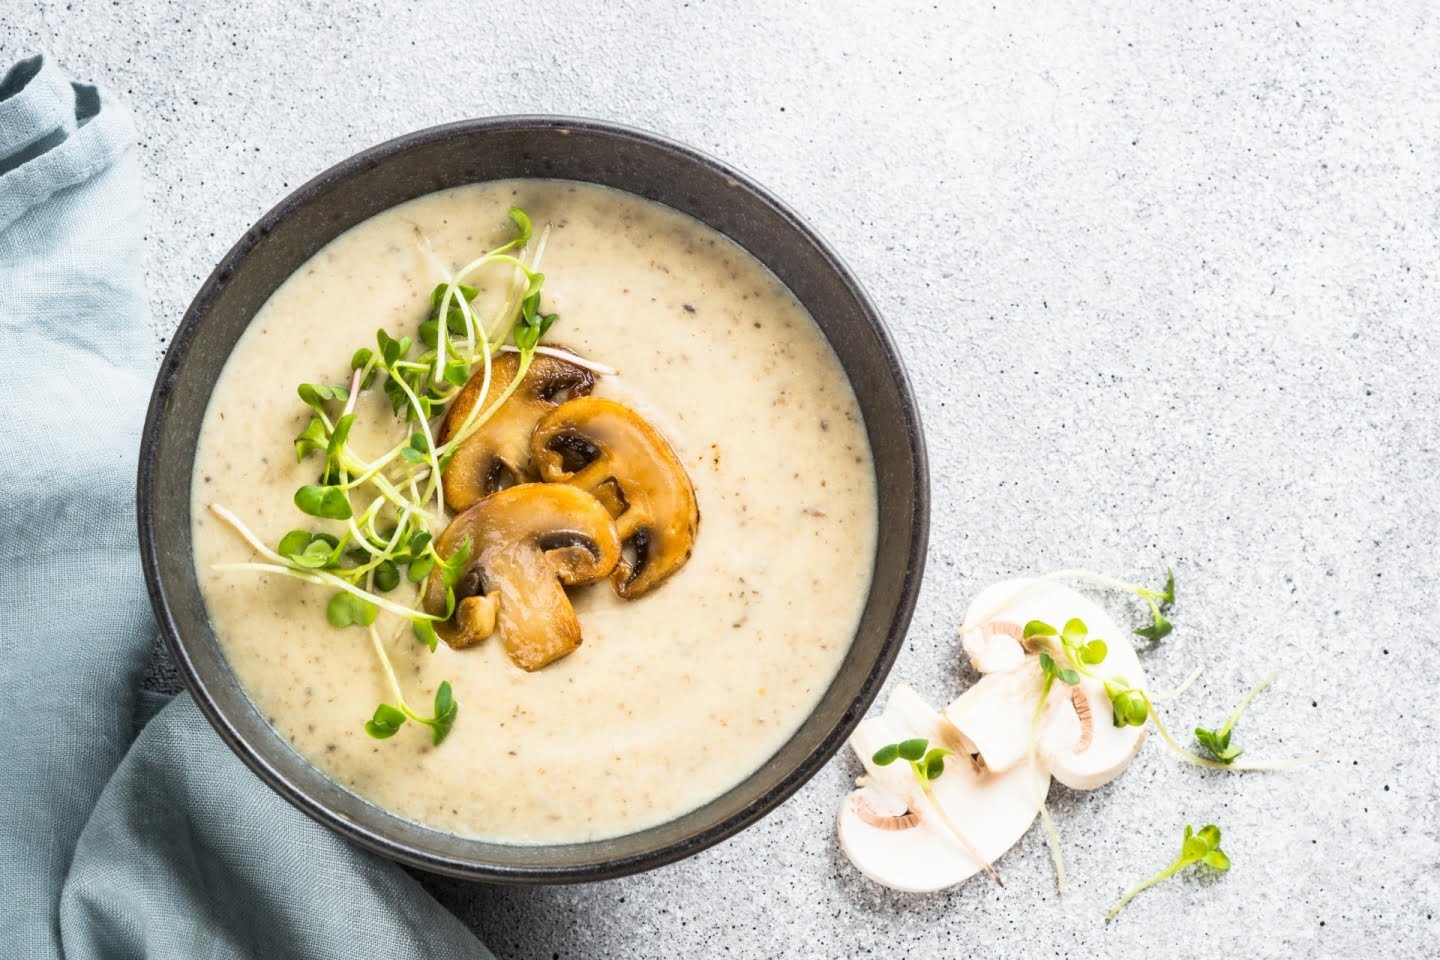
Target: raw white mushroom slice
x=918, y=859
x=994, y=716
x=1085, y=762
x=993, y=810
x=1080, y=755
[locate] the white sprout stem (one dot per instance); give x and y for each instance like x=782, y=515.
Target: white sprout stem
x=1169, y=695
x=470, y=424
x=320, y=576
x=1141, y=887
x=1273, y=766
x=434, y=456
x=1248, y=699
x=279, y=565
x=350, y=397
x=473, y=423
x=428, y=251
x=386, y=666
x=970, y=849
x=1052, y=836
x=594, y=366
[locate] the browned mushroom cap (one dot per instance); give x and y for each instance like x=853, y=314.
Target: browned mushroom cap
x=610, y=450
x=497, y=454
x=525, y=543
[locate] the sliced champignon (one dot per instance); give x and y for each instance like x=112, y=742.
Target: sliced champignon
x=994, y=647
x=611, y=451
x=526, y=544
x=1078, y=742
x=967, y=821
x=1085, y=748
x=995, y=715
x=497, y=454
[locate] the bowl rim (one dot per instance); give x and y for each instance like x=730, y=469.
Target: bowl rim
x=376, y=840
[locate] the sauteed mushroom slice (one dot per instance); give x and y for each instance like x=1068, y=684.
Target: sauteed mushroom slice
x=611, y=451
x=497, y=454
x=526, y=544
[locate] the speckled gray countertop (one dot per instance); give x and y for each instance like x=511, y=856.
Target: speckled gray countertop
x=1165, y=279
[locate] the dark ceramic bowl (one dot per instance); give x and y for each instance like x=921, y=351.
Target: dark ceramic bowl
x=491, y=149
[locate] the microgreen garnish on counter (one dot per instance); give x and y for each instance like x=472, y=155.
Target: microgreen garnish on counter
x=1218, y=741
x=1202, y=846
x=386, y=506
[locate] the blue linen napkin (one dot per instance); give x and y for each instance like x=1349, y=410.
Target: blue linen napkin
x=118, y=837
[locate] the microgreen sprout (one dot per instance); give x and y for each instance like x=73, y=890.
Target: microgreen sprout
x=385, y=506
x=927, y=764
x=388, y=719
x=1218, y=741
x=1202, y=846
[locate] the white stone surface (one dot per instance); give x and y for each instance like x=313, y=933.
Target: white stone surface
x=1165, y=278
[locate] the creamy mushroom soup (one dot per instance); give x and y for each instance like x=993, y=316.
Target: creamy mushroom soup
x=673, y=697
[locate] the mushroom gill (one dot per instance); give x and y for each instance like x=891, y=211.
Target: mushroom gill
x=612, y=452
x=497, y=453
x=525, y=545
x=868, y=814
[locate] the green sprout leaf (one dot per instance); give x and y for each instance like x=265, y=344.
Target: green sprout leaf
x=293, y=542
x=523, y=225
x=319, y=554
x=457, y=372
x=1129, y=707
x=339, y=438
x=330, y=502
x=1094, y=652
x=1047, y=666
x=420, y=568
x=1197, y=847
x=425, y=633
x=1038, y=628
x=385, y=723
x=445, y=710
x=391, y=349
x=452, y=568
x=1068, y=676
x=311, y=439
x=1167, y=597
x=926, y=763
x=1217, y=741
x=345, y=609
x=1074, y=630
x=934, y=762
x=387, y=576
x=1158, y=630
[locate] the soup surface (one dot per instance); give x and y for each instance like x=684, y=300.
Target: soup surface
x=672, y=698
